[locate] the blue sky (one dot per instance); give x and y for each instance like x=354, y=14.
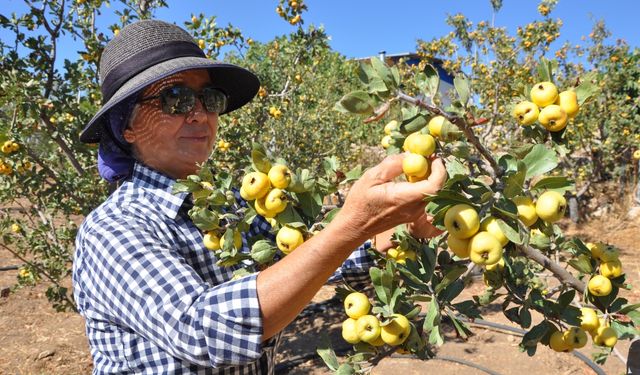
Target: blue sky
x=362, y=28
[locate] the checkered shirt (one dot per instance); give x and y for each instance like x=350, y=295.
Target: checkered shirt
x=153, y=298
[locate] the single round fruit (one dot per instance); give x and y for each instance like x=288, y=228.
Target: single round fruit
x=636, y=154
x=576, y=337
x=544, y=94
x=484, y=249
x=386, y=141
x=414, y=165
x=256, y=185
x=435, y=125
x=462, y=221
x=288, y=239
x=550, y=206
x=596, y=249
x=568, y=101
x=557, y=342
x=490, y=224
x=279, y=176
x=397, y=331
x=606, y=336
x=262, y=210
x=599, y=286
x=349, y=331
x=368, y=328
x=526, y=210
x=211, y=241
x=458, y=247
x=391, y=126
x=553, y=118
x=611, y=269
x=526, y=113
x=421, y=144
x=276, y=201
x=356, y=304
x=589, y=319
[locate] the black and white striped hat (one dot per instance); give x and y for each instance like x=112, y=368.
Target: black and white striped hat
x=150, y=50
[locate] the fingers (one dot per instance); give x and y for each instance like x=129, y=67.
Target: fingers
x=436, y=179
x=387, y=170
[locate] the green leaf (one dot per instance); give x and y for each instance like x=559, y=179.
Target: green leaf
x=345, y=369
x=535, y=334
x=628, y=308
x=358, y=102
x=331, y=215
x=452, y=291
x=353, y=175
x=506, y=207
x=381, y=283
x=263, y=251
x=383, y=72
x=540, y=160
x=259, y=158
x=544, y=70
x=581, y=263
x=456, y=168
x=183, y=186
x=587, y=88
x=327, y=354
x=310, y=204
x=461, y=84
x=512, y=234
x=559, y=183
x=204, y=219
x=415, y=124
x=289, y=215
x=428, y=81
x=450, y=277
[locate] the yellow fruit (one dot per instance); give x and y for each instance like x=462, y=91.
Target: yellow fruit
x=435, y=125
x=575, y=337
x=255, y=185
x=462, y=221
x=421, y=144
x=606, y=336
x=237, y=240
x=484, y=249
x=636, y=154
x=391, y=126
x=526, y=210
x=386, y=141
x=379, y=341
x=349, y=332
x=496, y=267
x=279, y=176
x=568, y=101
x=415, y=165
x=276, y=201
x=368, y=328
x=490, y=224
x=356, y=304
x=589, y=319
x=611, y=269
x=15, y=228
x=553, y=118
x=557, y=342
x=526, y=113
x=459, y=247
x=550, y=206
x=261, y=209
x=397, y=331
x=596, y=249
x=544, y=94
x=211, y=241
x=288, y=239
x=599, y=286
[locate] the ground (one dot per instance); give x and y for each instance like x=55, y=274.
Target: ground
x=34, y=339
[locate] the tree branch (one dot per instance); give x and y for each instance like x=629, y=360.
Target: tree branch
x=563, y=275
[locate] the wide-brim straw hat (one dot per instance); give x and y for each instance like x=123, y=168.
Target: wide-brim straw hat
x=150, y=50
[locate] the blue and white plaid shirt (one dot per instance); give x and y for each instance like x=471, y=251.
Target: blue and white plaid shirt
x=153, y=297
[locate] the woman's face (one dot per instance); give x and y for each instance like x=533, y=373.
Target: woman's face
x=173, y=143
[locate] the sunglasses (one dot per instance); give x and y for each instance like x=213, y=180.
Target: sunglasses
x=181, y=99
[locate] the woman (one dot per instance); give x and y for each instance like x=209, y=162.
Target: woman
x=153, y=299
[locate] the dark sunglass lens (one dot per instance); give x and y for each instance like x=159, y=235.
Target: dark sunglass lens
x=177, y=99
x=214, y=100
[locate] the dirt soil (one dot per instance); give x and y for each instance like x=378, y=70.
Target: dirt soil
x=34, y=339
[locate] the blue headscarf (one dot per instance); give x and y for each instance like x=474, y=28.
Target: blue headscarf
x=115, y=159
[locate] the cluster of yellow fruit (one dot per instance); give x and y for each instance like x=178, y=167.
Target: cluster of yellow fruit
x=223, y=145
x=610, y=267
x=415, y=164
x=401, y=255
x=268, y=191
x=9, y=146
x=275, y=112
x=483, y=242
x=66, y=117
x=576, y=337
x=550, y=108
x=361, y=326
x=468, y=238
x=434, y=126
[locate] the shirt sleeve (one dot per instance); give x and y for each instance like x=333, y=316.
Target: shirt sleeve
x=355, y=269
x=132, y=277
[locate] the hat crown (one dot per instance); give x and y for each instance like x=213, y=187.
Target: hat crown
x=121, y=57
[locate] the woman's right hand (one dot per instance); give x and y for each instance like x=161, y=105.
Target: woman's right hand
x=377, y=203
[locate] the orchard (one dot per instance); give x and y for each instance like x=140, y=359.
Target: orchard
x=530, y=137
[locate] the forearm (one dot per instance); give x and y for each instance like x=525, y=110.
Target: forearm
x=285, y=288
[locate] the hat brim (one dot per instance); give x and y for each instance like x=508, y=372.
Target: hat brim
x=238, y=83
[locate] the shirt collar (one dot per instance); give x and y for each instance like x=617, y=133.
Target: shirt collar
x=159, y=187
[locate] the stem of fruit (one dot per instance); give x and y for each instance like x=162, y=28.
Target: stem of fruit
x=462, y=124
x=563, y=275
